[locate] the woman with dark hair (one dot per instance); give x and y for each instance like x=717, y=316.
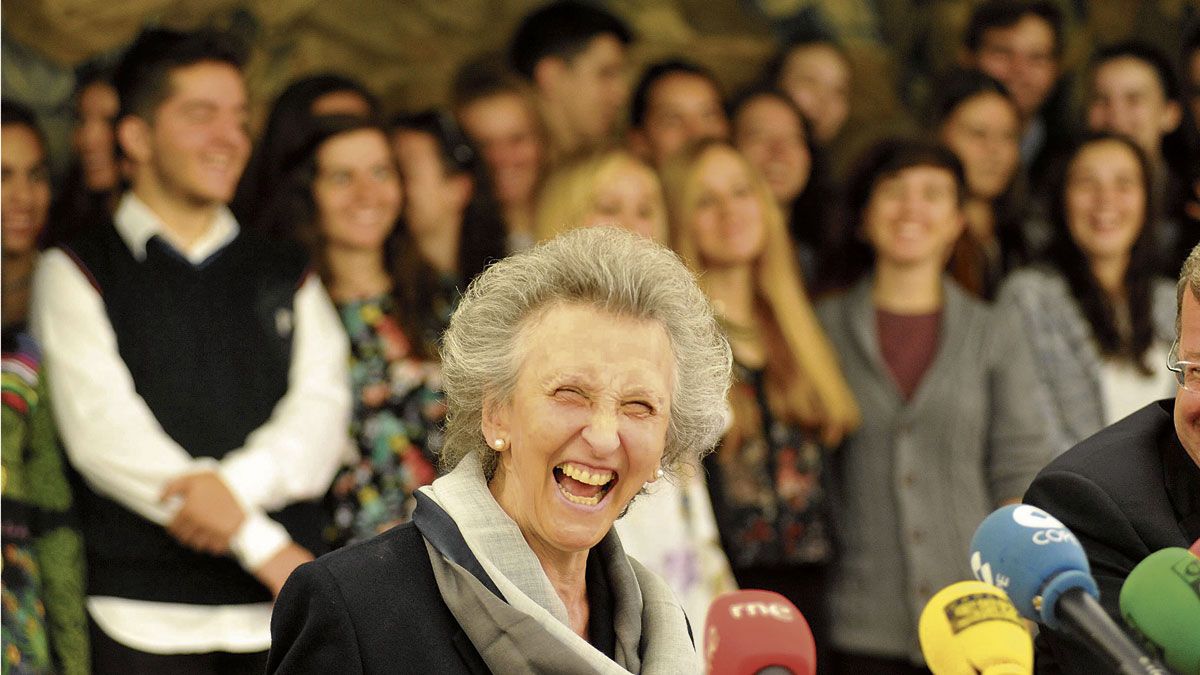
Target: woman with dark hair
x=975, y=116
x=949, y=430
x=773, y=134
x=455, y=224
x=1098, y=317
x=93, y=183
x=288, y=126
x=44, y=624
x=342, y=199
x=815, y=71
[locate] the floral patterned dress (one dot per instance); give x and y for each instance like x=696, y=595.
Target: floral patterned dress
x=767, y=493
x=398, y=413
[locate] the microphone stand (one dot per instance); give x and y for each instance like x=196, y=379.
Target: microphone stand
x=1083, y=617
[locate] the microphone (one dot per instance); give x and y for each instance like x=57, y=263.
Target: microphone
x=1040, y=564
x=971, y=628
x=1160, y=601
x=754, y=632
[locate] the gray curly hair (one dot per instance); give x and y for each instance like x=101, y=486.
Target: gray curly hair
x=614, y=271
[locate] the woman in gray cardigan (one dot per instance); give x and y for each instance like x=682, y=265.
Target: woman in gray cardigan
x=949, y=432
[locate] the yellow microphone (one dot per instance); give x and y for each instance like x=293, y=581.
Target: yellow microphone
x=971, y=628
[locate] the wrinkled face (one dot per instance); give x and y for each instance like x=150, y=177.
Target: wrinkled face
x=356, y=190
x=432, y=199
x=1187, y=403
x=771, y=137
x=1022, y=57
x=817, y=78
x=586, y=426
x=1105, y=200
x=1127, y=98
x=505, y=129
x=94, y=139
x=631, y=198
x=985, y=134
x=196, y=146
x=343, y=102
x=594, y=89
x=913, y=217
x=728, y=221
x=681, y=107
x=25, y=193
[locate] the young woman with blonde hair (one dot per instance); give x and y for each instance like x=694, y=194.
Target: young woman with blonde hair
x=789, y=401
x=611, y=187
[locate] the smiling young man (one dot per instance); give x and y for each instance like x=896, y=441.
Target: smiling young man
x=674, y=103
x=199, y=381
x=497, y=110
x=574, y=55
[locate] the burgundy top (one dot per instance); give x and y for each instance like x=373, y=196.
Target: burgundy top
x=909, y=342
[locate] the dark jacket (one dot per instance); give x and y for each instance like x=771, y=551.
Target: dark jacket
x=369, y=608
x=1126, y=492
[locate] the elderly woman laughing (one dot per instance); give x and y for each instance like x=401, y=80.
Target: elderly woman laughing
x=576, y=373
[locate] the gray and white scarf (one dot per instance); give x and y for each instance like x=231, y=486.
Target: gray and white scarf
x=527, y=629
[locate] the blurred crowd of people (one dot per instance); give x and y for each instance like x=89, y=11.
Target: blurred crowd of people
x=221, y=353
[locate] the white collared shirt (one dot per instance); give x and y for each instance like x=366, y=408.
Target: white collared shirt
x=116, y=444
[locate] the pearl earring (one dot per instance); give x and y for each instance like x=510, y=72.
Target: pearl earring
x=498, y=443
x=657, y=474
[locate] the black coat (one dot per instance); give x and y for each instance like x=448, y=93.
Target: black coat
x=1126, y=492
x=369, y=608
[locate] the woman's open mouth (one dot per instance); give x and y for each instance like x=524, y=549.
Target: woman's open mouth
x=581, y=485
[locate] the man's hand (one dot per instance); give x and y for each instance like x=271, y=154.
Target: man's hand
x=275, y=571
x=210, y=514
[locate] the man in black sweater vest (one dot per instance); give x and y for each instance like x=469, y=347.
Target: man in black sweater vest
x=199, y=381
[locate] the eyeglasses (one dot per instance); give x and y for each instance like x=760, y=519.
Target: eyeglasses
x=1187, y=373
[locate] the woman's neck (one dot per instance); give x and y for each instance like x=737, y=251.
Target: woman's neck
x=518, y=217
x=915, y=289
x=439, y=246
x=1110, y=274
x=568, y=575
x=566, y=570
x=16, y=277
x=981, y=219
x=356, y=274
x=731, y=290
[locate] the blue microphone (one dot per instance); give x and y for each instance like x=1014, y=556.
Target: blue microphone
x=1041, y=565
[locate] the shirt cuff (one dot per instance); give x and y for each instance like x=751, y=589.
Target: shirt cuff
x=250, y=477
x=257, y=541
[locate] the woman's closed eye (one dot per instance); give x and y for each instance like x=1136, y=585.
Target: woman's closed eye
x=570, y=394
x=639, y=408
